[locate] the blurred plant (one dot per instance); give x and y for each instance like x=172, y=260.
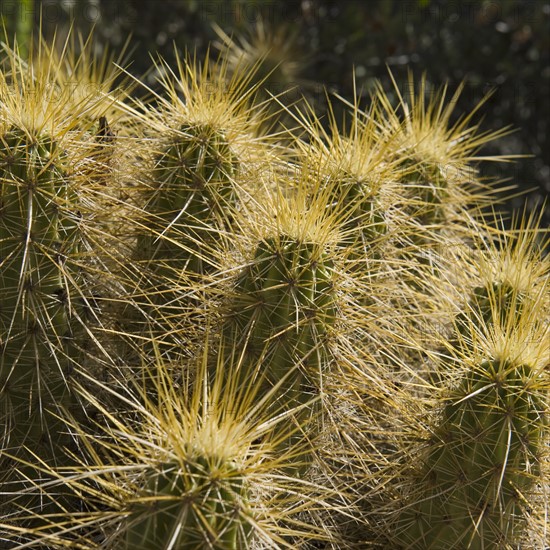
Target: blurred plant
x=274, y=60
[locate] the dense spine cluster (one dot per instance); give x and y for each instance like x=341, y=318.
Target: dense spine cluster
x=217, y=335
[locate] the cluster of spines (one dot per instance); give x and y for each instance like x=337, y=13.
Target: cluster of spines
x=276, y=322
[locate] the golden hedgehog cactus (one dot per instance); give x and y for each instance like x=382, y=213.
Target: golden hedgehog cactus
x=199, y=144
x=42, y=251
x=329, y=345
x=184, y=469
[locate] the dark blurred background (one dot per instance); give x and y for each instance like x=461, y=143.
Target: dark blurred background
x=501, y=45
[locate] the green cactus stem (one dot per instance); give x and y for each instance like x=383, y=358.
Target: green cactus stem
x=482, y=463
x=192, y=196
x=39, y=231
x=190, y=506
x=364, y=224
x=190, y=203
x=281, y=314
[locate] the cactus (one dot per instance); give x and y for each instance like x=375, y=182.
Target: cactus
x=280, y=315
x=191, y=190
x=187, y=210
x=193, y=194
x=350, y=168
x=484, y=460
x=308, y=362
x=38, y=233
x=189, y=469
x=428, y=187
x=440, y=192
x=46, y=297
x=497, y=296
x=282, y=310
x=189, y=506
x=199, y=145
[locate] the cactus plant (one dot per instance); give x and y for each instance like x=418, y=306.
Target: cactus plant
x=484, y=459
x=281, y=311
x=185, y=469
x=435, y=156
x=204, y=138
x=40, y=321
x=322, y=344
x=46, y=294
x=39, y=231
x=355, y=176
x=483, y=463
x=196, y=146
x=189, y=508
x=193, y=194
